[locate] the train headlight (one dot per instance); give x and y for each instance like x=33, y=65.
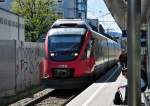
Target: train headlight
x=75, y=54
x=52, y=54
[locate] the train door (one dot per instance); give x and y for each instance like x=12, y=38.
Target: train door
x=114, y=52
x=107, y=57
x=105, y=53
x=99, y=54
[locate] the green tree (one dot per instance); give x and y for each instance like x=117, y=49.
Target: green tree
x=39, y=16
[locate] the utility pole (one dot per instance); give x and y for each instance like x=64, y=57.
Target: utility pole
x=133, y=54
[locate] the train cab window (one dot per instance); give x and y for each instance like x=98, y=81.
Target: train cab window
x=64, y=43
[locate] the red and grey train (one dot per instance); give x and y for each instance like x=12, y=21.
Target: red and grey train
x=74, y=54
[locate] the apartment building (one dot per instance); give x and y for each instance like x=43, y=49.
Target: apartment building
x=72, y=8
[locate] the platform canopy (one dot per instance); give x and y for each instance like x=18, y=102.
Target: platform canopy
x=118, y=9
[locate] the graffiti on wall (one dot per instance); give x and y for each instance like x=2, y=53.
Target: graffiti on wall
x=28, y=58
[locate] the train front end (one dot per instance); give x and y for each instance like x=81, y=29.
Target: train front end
x=66, y=64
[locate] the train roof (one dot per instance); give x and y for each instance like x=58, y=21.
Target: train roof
x=80, y=23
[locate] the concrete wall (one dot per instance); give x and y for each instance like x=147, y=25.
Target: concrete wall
x=7, y=68
x=11, y=26
x=19, y=66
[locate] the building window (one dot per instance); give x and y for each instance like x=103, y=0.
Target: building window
x=5, y=21
x=79, y=15
x=59, y=0
x=13, y=24
x=79, y=1
x=60, y=14
x=9, y=22
x=1, y=20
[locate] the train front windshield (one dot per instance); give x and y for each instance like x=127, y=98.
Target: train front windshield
x=64, y=43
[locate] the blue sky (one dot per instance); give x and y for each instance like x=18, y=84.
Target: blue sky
x=98, y=9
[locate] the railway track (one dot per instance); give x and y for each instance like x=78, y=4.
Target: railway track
x=58, y=98
x=49, y=97
x=53, y=97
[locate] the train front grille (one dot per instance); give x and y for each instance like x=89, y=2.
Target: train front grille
x=62, y=73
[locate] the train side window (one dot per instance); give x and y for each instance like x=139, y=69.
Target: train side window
x=90, y=44
x=91, y=48
x=84, y=56
x=88, y=50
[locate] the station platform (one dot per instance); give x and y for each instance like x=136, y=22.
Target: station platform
x=102, y=92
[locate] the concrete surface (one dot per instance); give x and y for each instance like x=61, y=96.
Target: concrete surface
x=101, y=93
